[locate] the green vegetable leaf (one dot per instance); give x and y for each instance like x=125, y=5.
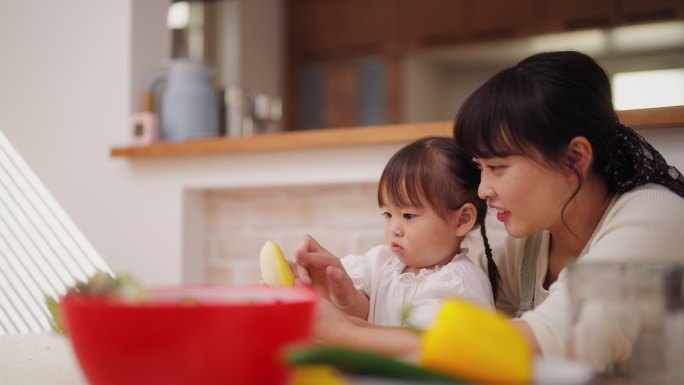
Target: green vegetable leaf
x=56, y=319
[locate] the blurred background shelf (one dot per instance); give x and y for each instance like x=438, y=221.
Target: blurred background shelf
x=350, y=136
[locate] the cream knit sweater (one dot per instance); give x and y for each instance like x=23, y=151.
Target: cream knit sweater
x=645, y=224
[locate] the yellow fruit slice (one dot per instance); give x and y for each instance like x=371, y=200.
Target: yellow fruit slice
x=275, y=271
x=476, y=344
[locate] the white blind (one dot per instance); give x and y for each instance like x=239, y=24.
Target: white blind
x=41, y=250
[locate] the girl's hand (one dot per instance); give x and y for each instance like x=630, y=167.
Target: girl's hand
x=313, y=261
x=302, y=277
x=344, y=295
x=324, y=271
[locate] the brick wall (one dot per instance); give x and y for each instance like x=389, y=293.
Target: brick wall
x=344, y=218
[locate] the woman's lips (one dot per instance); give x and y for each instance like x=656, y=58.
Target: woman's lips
x=503, y=215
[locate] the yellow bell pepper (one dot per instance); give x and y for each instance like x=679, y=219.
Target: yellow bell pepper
x=317, y=375
x=475, y=344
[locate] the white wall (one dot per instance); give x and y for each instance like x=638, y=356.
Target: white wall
x=68, y=81
x=65, y=95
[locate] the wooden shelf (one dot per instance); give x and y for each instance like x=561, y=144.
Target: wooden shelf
x=351, y=136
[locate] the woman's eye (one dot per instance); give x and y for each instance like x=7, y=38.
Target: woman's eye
x=408, y=215
x=495, y=167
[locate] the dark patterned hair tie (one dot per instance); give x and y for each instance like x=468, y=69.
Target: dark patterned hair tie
x=634, y=163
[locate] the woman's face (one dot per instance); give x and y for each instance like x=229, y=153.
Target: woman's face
x=527, y=195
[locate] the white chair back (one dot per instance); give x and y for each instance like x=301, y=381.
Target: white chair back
x=41, y=250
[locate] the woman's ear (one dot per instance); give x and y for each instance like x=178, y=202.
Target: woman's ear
x=580, y=154
x=464, y=219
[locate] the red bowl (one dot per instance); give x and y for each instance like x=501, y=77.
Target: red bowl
x=189, y=335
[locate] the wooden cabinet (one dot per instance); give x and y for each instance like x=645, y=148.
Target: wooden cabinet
x=328, y=74
x=340, y=93
x=638, y=11
x=366, y=25
x=557, y=15
x=501, y=19
x=327, y=84
x=324, y=28
x=312, y=26
x=345, y=92
x=431, y=22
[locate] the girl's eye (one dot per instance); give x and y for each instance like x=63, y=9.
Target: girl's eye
x=408, y=216
x=387, y=215
x=495, y=167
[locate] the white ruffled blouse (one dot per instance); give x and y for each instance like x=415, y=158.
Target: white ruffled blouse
x=379, y=274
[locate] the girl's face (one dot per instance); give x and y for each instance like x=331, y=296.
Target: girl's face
x=527, y=195
x=419, y=237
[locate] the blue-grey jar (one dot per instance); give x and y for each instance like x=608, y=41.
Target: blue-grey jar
x=189, y=106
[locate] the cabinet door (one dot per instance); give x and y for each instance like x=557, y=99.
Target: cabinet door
x=340, y=89
x=345, y=92
x=431, y=22
x=366, y=24
x=312, y=25
x=501, y=19
x=372, y=90
x=307, y=98
x=637, y=11
x=558, y=15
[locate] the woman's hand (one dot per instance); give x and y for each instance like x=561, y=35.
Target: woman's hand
x=331, y=325
x=334, y=327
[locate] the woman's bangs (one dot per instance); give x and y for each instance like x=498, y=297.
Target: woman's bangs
x=485, y=134
x=487, y=120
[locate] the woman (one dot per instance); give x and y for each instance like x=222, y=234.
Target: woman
x=569, y=182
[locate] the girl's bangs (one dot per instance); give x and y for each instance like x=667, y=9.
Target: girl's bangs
x=400, y=188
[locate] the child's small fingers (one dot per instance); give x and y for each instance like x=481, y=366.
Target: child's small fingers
x=301, y=274
x=341, y=287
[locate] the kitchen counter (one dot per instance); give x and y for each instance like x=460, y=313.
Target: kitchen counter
x=335, y=137
x=38, y=358
x=47, y=358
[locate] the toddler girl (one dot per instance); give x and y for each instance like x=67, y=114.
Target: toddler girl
x=428, y=195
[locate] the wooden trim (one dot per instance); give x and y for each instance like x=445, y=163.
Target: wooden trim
x=653, y=117
x=351, y=136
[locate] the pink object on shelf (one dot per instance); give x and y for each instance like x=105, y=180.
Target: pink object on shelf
x=144, y=128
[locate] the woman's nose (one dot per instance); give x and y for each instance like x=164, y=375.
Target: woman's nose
x=485, y=191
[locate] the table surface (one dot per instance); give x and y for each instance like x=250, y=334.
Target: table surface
x=38, y=358
x=47, y=358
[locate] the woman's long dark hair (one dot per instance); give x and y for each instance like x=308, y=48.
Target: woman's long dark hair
x=541, y=104
x=436, y=169
x=537, y=107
